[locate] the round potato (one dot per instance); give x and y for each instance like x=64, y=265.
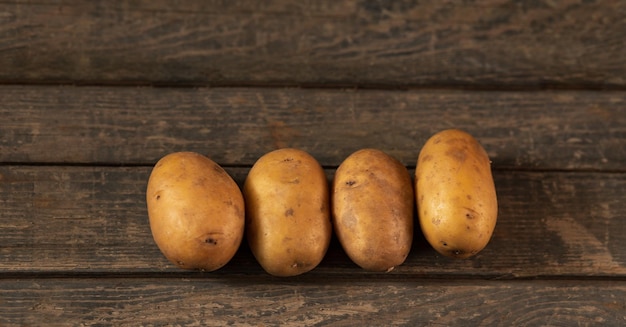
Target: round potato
x=455, y=194
x=288, y=223
x=372, y=207
x=196, y=211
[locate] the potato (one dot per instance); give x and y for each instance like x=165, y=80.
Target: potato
x=287, y=212
x=196, y=211
x=372, y=209
x=455, y=194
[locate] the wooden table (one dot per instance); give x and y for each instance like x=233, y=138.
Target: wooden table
x=93, y=93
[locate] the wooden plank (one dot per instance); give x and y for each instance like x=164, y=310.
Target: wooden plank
x=235, y=126
x=83, y=220
x=490, y=43
x=243, y=302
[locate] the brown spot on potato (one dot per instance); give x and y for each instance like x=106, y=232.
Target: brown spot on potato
x=350, y=183
x=471, y=213
x=477, y=169
x=238, y=211
x=427, y=157
x=218, y=168
x=289, y=212
x=469, y=197
x=210, y=238
x=201, y=181
x=457, y=154
x=456, y=140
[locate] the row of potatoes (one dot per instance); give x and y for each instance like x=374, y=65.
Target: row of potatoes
x=198, y=214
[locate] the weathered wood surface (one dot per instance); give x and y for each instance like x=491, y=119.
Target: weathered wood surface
x=81, y=220
x=235, y=126
x=489, y=43
x=75, y=245
x=336, y=302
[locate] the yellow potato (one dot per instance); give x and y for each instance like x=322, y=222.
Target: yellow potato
x=455, y=194
x=287, y=212
x=196, y=211
x=372, y=206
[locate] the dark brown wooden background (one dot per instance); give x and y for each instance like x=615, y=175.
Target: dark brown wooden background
x=93, y=93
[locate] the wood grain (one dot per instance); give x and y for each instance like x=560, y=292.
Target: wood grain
x=541, y=84
x=487, y=43
x=243, y=302
x=65, y=220
x=235, y=126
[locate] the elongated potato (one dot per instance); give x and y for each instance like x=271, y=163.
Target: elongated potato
x=455, y=194
x=196, y=211
x=372, y=206
x=287, y=212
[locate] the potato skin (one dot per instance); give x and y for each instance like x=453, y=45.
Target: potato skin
x=455, y=194
x=287, y=212
x=372, y=206
x=196, y=211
